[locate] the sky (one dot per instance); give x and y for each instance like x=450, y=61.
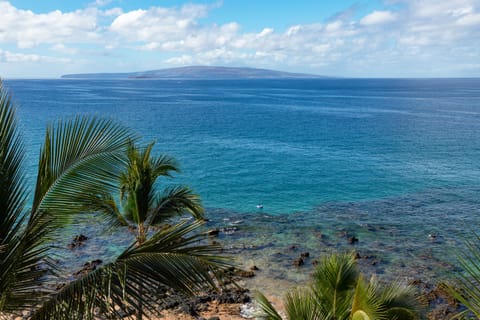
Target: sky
x=341, y=38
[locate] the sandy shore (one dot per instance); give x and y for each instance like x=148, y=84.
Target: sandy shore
x=221, y=311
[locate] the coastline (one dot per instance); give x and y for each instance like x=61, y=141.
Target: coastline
x=268, y=246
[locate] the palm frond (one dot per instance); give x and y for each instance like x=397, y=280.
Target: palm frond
x=175, y=201
x=21, y=255
x=106, y=206
x=171, y=260
x=164, y=165
x=467, y=287
x=300, y=303
x=267, y=310
x=80, y=156
x=13, y=191
x=334, y=282
x=365, y=303
x=400, y=301
x=181, y=239
x=339, y=292
x=137, y=184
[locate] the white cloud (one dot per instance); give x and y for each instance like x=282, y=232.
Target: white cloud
x=378, y=17
x=334, y=26
x=28, y=29
x=265, y=32
x=469, y=19
x=14, y=57
x=400, y=37
x=434, y=8
x=113, y=12
x=159, y=24
x=60, y=47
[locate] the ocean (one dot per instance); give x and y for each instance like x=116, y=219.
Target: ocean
x=394, y=162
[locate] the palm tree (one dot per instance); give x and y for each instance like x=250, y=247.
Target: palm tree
x=339, y=292
x=467, y=287
x=142, y=204
x=79, y=157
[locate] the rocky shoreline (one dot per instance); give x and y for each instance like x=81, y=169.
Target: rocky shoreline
x=237, y=302
x=277, y=253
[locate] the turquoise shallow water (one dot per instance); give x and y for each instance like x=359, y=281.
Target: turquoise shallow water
x=390, y=161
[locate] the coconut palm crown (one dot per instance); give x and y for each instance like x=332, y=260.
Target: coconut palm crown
x=142, y=203
x=340, y=292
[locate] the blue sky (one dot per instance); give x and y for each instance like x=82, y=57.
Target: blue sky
x=384, y=38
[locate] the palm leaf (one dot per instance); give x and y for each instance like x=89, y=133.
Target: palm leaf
x=334, y=282
x=137, y=187
x=80, y=156
x=467, y=288
x=398, y=300
x=21, y=254
x=13, y=192
x=169, y=259
x=301, y=304
x=175, y=201
x=267, y=310
x=163, y=165
x=106, y=206
x=365, y=303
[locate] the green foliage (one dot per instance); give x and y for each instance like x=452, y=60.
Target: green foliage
x=467, y=287
x=268, y=310
x=80, y=164
x=81, y=155
x=18, y=253
x=339, y=292
x=175, y=255
x=142, y=202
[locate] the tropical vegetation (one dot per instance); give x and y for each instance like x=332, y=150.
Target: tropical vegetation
x=141, y=203
x=467, y=287
x=82, y=159
x=340, y=292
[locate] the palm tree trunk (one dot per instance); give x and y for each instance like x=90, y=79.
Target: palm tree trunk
x=141, y=237
x=140, y=306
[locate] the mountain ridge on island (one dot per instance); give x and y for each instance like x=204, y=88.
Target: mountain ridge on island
x=198, y=73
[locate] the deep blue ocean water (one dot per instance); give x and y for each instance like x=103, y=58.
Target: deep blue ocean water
x=390, y=160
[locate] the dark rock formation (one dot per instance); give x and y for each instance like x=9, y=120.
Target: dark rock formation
x=77, y=241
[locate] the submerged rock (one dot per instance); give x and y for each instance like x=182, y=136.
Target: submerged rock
x=298, y=262
x=305, y=254
x=352, y=240
x=246, y=274
x=88, y=267
x=77, y=241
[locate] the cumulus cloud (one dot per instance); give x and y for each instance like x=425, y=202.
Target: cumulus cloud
x=173, y=29
x=435, y=9
x=469, y=19
x=416, y=32
x=28, y=29
x=15, y=57
x=378, y=17
x=402, y=35
x=157, y=23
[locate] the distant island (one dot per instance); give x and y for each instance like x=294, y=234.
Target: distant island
x=198, y=73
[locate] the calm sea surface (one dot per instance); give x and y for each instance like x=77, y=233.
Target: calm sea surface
x=390, y=161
